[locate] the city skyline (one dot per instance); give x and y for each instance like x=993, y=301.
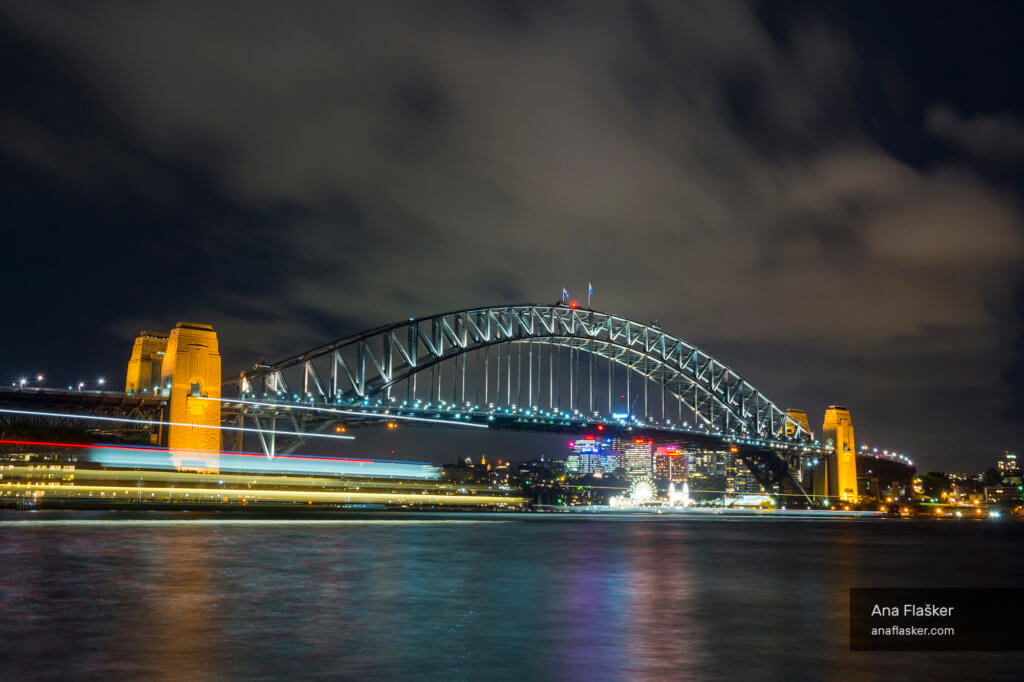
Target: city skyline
x=827, y=200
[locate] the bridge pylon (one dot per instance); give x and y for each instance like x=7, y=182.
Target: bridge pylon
x=840, y=477
x=799, y=418
x=187, y=362
x=192, y=368
x=144, y=367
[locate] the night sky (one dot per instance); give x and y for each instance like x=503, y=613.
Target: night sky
x=827, y=198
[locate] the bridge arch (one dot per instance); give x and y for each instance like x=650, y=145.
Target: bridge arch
x=375, y=364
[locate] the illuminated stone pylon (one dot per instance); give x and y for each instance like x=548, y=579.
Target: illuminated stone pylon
x=144, y=367
x=800, y=417
x=837, y=431
x=191, y=370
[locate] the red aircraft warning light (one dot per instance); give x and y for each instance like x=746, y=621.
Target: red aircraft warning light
x=600, y=427
x=573, y=304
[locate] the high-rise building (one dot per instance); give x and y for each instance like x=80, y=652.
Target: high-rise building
x=611, y=459
x=572, y=464
x=1009, y=469
x=637, y=457
x=669, y=464
x=1008, y=464
x=586, y=455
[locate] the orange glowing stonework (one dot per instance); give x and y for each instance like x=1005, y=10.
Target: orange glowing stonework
x=144, y=366
x=191, y=367
x=800, y=417
x=838, y=431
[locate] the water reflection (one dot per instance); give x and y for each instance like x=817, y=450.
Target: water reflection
x=663, y=631
x=466, y=596
x=177, y=610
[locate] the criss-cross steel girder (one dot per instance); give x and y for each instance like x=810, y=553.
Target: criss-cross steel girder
x=372, y=363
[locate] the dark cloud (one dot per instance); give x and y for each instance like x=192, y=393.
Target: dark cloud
x=986, y=136
x=778, y=183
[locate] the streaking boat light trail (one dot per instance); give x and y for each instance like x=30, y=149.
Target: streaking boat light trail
x=153, y=422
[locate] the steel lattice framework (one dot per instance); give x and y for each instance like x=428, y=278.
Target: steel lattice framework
x=375, y=364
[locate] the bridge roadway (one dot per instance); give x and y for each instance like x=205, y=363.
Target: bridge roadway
x=81, y=402
x=772, y=461
x=318, y=416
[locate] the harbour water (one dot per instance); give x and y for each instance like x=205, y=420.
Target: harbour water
x=476, y=596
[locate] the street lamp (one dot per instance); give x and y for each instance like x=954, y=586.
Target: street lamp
x=101, y=381
x=81, y=385
x=23, y=382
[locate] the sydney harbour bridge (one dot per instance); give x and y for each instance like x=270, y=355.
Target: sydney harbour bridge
x=554, y=368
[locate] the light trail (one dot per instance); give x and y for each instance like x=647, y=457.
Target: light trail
x=333, y=410
x=156, y=449
x=298, y=496
x=248, y=479
x=150, y=422
x=148, y=457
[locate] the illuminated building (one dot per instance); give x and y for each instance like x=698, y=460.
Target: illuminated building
x=738, y=479
x=611, y=459
x=1002, y=493
x=1009, y=469
x=589, y=452
x=593, y=455
x=1008, y=465
x=637, y=457
x=586, y=456
x=669, y=464
x=706, y=463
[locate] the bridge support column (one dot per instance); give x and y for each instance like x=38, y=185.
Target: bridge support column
x=145, y=369
x=837, y=431
x=192, y=369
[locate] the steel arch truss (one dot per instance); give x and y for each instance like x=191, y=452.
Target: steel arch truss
x=372, y=364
